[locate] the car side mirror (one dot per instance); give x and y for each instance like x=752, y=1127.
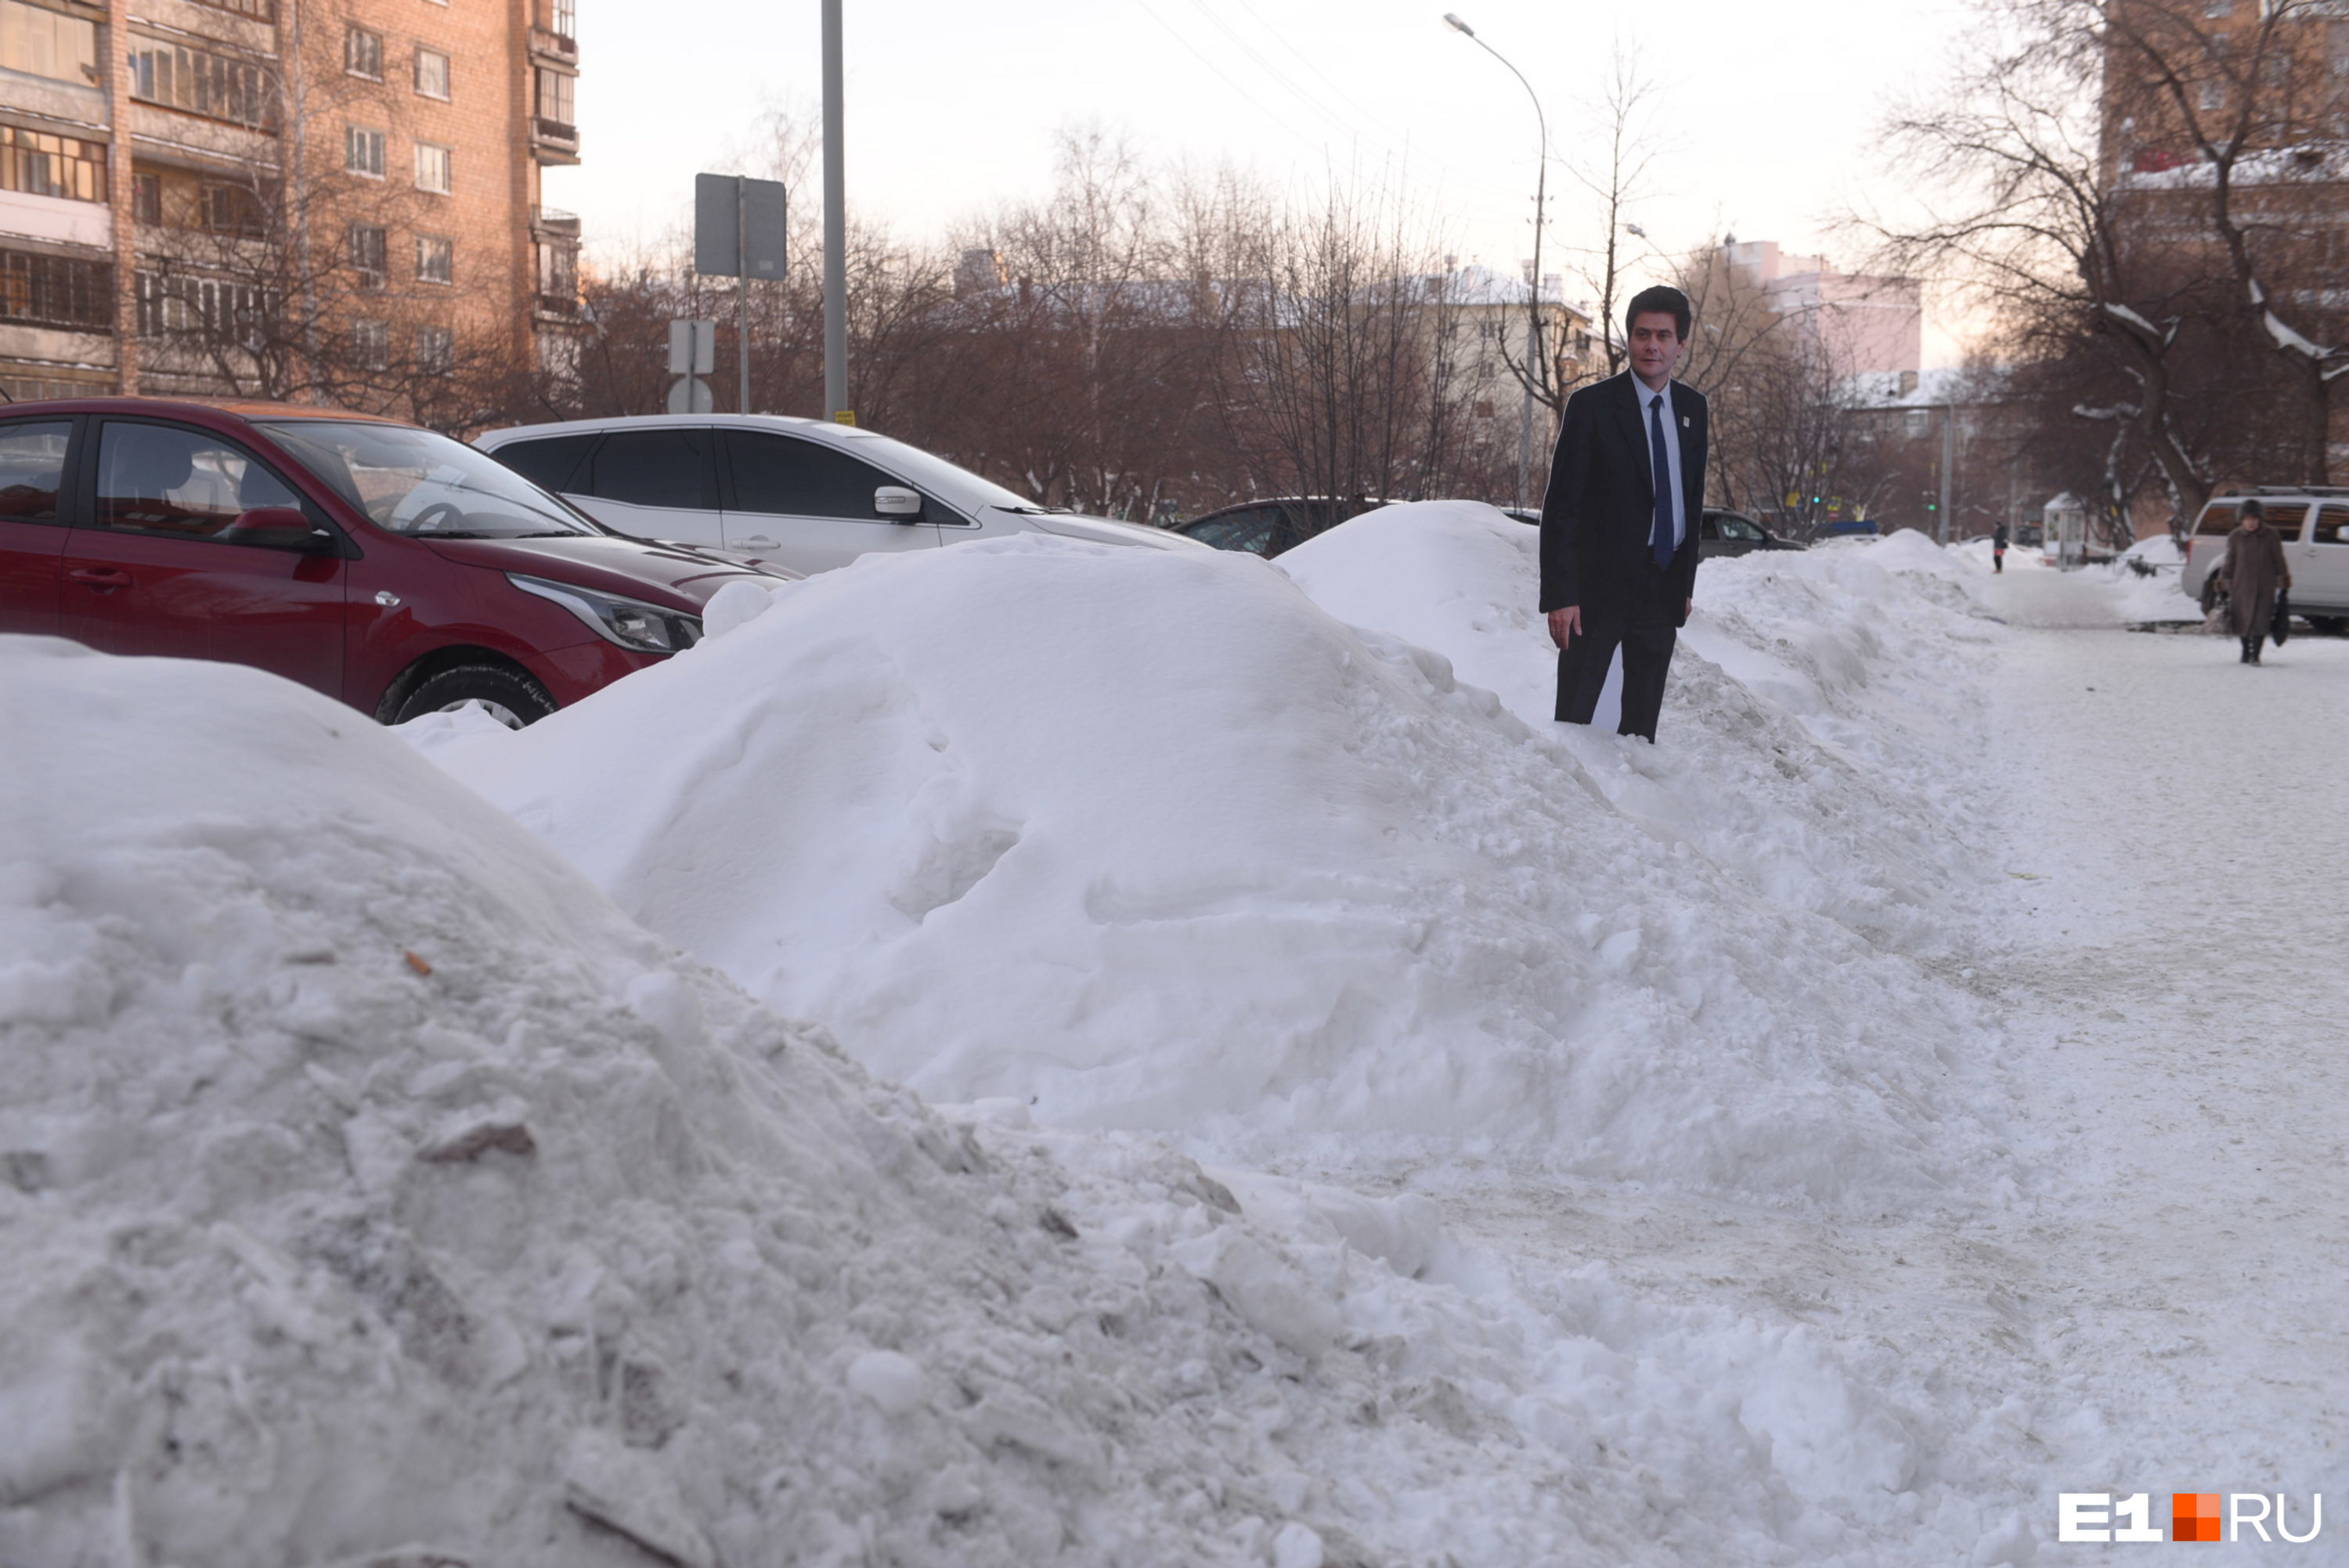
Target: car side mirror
x=897, y=503
x=278, y=527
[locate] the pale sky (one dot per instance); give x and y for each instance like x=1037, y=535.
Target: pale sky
x=1765, y=114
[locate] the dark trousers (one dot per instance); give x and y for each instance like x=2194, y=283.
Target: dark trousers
x=1582, y=674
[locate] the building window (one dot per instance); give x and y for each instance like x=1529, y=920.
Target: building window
x=436, y=350
x=372, y=344
x=2212, y=97
x=259, y=10
x=44, y=43
x=554, y=97
x=436, y=260
x=363, y=151
x=147, y=197
x=209, y=309
x=2218, y=10
x=362, y=54
x=566, y=19
x=368, y=253
x=558, y=274
x=432, y=73
x=431, y=168
x=232, y=210
x=200, y=82
x=55, y=290
x=39, y=164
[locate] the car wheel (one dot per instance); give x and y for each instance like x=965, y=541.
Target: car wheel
x=512, y=699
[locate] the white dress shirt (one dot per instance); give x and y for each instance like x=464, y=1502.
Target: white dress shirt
x=1648, y=397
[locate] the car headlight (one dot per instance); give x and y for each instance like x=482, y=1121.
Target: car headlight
x=631, y=623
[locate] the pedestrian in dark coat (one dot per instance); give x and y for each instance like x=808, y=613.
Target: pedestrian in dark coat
x=1620, y=521
x=2252, y=571
x=1998, y=549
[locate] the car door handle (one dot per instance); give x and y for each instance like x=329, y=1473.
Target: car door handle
x=756, y=541
x=100, y=577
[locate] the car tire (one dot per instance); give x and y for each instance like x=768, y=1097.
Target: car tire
x=514, y=698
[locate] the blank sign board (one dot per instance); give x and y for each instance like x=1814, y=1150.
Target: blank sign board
x=738, y=227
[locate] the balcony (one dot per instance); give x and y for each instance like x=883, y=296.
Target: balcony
x=553, y=142
x=554, y=49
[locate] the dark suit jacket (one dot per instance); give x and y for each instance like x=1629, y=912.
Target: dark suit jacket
x=1601, y=508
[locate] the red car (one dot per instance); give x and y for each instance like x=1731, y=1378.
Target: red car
x=383, y=564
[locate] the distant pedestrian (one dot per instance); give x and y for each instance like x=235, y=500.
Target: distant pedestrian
x=1618, y=536
x=2252, y=572
x=1998, y=549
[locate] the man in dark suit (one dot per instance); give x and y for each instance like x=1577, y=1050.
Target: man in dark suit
x=1618, y=530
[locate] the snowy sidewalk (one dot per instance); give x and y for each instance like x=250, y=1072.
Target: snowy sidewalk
x=2178, y=948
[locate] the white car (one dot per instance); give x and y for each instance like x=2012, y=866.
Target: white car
x=2314, y=522
x=803, y=493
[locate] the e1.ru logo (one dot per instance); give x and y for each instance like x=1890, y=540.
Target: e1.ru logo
x=2094, y=1517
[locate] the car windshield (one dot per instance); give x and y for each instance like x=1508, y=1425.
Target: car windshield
x=927, y=472
x=417, y=482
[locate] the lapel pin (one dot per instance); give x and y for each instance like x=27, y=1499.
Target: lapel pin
x=1685, y=424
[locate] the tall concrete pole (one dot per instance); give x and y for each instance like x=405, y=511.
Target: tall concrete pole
x=1949, y=460
x=835, y=226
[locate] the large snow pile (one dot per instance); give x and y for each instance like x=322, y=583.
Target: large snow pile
x=376, y=1195
x=1151, y=840
x=1793, y=755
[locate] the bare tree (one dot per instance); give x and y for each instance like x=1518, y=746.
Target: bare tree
x=1335, y=367
x=2250, y=100
x=1624, y=148
x=2020, y=212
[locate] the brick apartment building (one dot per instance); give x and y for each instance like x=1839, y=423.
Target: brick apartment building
x=332, y=200
x=2219, y=114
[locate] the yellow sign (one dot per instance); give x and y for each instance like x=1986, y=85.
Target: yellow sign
x=843, y=415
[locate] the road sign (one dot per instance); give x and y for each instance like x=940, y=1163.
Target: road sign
x=690, y=395
x=692, y=349
x=739, y=227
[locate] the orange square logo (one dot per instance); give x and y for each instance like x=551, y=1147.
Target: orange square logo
x=2194, y=1516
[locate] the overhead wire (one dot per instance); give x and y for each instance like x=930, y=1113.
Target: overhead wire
x=1221, y=75
x=1481, y=205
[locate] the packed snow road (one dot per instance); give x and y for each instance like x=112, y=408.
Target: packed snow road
x=2173, y=928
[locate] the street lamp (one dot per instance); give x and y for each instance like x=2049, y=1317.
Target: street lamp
x=1533, y=307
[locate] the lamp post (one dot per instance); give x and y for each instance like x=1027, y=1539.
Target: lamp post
x=1533, y=307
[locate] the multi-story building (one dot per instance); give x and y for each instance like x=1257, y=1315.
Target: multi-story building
x=325, y=200
x=1488, y=314
x=2224, y=179
x=1861, y=325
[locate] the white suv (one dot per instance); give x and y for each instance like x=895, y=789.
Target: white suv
x=803, y=493
x=2314, y=522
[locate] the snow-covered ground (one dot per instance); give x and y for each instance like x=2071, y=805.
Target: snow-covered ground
x=1348, y=1118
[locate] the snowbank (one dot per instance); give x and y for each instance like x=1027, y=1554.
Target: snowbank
x=377, y=1194
x=1792, y=756
x=1150, y=840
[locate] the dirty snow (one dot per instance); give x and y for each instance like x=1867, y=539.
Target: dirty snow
x=1153, y=841
x=1369, y=1124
